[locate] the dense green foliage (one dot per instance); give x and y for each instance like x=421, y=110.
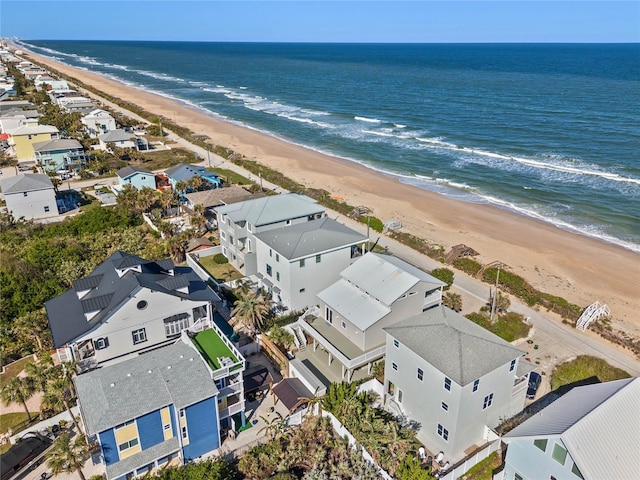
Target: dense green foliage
x=509, y=326
x=585, y=368
x=418, y=244
x=467, y=265
x=220, y=259
x=513, y=284
x=485, y=469
x=445, y=275
x=209, y=470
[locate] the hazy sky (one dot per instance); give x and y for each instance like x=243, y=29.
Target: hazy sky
x=323, y=21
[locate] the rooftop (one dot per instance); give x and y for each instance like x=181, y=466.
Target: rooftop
x=272, y=209
x=25, y=182
x=220, y=196
x=57, y=144
x=131, y=170
x=213, y=349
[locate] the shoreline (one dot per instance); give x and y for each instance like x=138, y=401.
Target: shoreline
x=579, y=268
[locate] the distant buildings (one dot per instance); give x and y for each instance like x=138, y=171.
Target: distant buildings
x=98, y=122
x=29, y=196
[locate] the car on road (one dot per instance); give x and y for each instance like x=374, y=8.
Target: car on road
x=534, y=384
x=24, y=168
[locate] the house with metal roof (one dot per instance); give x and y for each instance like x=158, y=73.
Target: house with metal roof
x=590, y=433
x=346, y=326
x=126, y=307
x=118, y=138
x=184, y=173
x=454, y=378
x=150, y=412
x=29, y=196
x=139, y=177
x=24, y=137
x=239, y=222
x=60, y=154
x=297, y=262
x=98, y=122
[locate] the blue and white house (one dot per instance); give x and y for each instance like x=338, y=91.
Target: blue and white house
x=60, y=154
x=139, y=177
x=590, y=433
x=154, y=410
x=184, y=173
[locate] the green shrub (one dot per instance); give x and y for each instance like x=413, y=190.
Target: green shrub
x=220, y=259
x=513, y=284
x=374, y=223
x=445, y=275
x=467, y=265
x=560, y=306
x=586, y=368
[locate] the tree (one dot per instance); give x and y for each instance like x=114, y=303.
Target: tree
x=18, y=390
x=197, y=218
x=195, y=183
x=276, y=427
x=280, y=336
x=33, y=326
x=66, y=456
x=58, y=395
x=445, y=275
x=251, y=310
x=168, y=199
x=453, y=301
x=181, y=186
x=40, y=372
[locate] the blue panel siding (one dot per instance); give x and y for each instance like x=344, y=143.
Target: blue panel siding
x=150, y=429
x=202, y=425
x=109, y=447
x=172, y=414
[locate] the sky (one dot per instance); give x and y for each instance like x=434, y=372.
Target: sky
x=448, y=21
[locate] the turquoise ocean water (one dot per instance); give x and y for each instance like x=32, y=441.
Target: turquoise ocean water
x=548, y=131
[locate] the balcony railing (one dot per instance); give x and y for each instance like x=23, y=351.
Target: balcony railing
x=231, y=410
x=231, y=390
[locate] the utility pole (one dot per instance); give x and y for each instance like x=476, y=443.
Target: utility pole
x=209, y=157
x=260, y=174
x=495, y=295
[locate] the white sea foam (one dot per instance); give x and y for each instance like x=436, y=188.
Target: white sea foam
x=365, y=119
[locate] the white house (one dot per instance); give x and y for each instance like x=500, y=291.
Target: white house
x=590, y=433
x=127, y=306
x=297, y=262
x=98, y=122
x=29, y=196
x=239, y=222
x=118, y=138
x=454, y=378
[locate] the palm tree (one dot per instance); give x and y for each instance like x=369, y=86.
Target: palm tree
x=453, y=301
x=58, y=395
x=181, y=186
x=66, y=456
x=195, y=182
x=177, y=248
x=251, y=310
x=18, y=390
x=197, y=218
x=40, y=372
x=167, y=200
x=276, y=427
x=33, y=326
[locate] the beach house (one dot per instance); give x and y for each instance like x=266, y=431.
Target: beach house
x=139, y=177
x=29, y=196
x=60, y=154
x=453, y=378
x=183, y=173
x=117, y=139
x=296, y=262
x=127, y=306
x=346, y=324
x=24, y=137
x=150, y=412
x=239, y=222
x=98, y=122
x=590, y=433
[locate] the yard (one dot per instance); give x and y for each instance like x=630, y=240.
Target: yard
x=585, y=367
x=509, y=327
x=230, y=177
x=162, y=159
x=222, y=272
x=485, y=469
x=13, y=369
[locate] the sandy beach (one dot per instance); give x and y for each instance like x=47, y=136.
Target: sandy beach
x=578, y=268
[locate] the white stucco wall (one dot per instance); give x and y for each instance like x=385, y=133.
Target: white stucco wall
x=32, y=204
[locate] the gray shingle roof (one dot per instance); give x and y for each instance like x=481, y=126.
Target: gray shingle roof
x=34, y=130
x=57, y=144
x=453, y=344
x=599, y=425
x=309, y=238
x=25, y=182
x=112, y=395
x=272, y=209
x=118, y=135
x=129, y=170
x=143, y=458
x=220, y=196
x=66, y=312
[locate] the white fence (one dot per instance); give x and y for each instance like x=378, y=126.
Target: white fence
x=465, y=465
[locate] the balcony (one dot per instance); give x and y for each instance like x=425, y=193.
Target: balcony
x=231, y=410
x=232, y=389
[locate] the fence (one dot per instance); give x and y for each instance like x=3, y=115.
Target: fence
x=464, y=465
x=274, y=352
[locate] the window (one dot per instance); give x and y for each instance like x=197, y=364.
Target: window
x=278, y=276
x=399, y=396
x=488, y=401
x=287, y=223
x=420, y=374
x=576, y=471
x=443, y=432
x=125, y=424
x=185, y=434
x=513, y=364
x=277, y=257
x=270, y=253
x=476, y=384
x=142, y=304
x=224, y=251
x=444, y=406
x=541, y=443
x=101, y=343
x=447, y=383
x=394, y=365
x=396, y=343
x=182, y=413
x=517, y=477
x=328, y=314
x=302, y=263
x=173, y=326
x=231, y=239
x=344, y=325
x=302, y=290
x=46, y=208
x=269, y=270
x=25, y=194
x=126, y=445
x=139, y=336
x=559, y=453
x=166, y=427
x=223, y=235
x=318, y=258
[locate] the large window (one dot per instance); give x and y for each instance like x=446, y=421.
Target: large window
x=443, y=432
x=541, y=443
x=175, y=324
x=559, y=453
x=126, y=445
x=269, y=270
x=488, y=401
x=139, y=336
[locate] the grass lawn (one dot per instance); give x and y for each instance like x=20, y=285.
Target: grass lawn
x=585, y=367
x=12, y=370
x=484, y=469
x=224, y=272
x=11, y=420
x=509, y=327
x=161, y=159
x=231, y=177
x=211, y=346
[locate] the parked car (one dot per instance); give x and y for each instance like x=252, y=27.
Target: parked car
x=534, y=383
x=24, y=168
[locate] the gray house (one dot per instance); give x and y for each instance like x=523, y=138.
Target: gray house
x=127, y=306
x=239, y=222
x=295, y=263
x=30, y=196
x=591, y=433
x=374, y=292
x=454, y=378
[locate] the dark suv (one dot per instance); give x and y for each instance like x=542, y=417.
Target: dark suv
x=534, y=383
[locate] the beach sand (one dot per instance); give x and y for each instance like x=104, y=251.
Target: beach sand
x=576, y=267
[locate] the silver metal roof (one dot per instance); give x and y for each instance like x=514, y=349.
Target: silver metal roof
x=272, y=209
x=112, y=395
x=118, y=135
x=386, y=277
x=453, y=344
x=34, y=130
x=131, y=170
x=57, y=144
x=25, y=182
x=309, y=238
x=353, y=304
x=598, y=424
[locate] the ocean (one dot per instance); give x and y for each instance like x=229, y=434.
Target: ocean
x=550, y=131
